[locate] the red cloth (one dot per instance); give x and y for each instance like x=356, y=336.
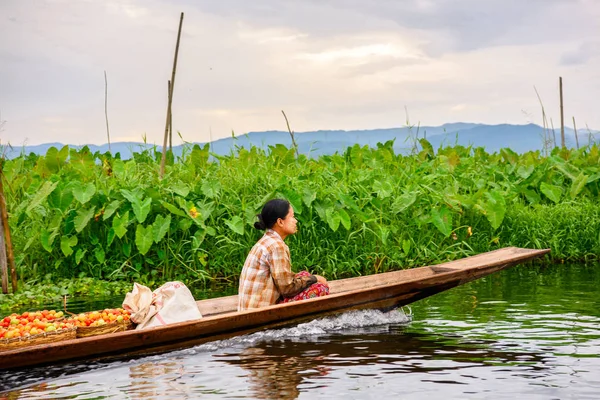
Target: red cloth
x=315, y=290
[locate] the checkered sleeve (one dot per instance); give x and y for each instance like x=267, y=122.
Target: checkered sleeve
x=283, y=277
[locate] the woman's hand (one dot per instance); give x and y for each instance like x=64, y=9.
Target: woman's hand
x=320, y=279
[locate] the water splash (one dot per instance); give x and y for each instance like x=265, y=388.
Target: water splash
x=319, y=327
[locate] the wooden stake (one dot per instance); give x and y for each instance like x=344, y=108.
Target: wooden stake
x=164, y=149
x=291, y=134
x=575, y=129
x=562, y=115
x=106, y=109
x=10, y=258
x=3, y=264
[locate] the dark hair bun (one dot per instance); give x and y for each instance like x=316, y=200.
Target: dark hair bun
x=260, y=223
x=271, y=212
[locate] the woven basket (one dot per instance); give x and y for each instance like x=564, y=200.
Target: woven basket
x=41, y=338
x=103, y=329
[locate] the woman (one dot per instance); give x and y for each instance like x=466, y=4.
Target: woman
x=267, y=276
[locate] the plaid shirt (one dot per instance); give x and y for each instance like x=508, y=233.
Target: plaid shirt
x=267, y=274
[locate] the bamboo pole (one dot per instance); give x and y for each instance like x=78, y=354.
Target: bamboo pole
x=575, y=129
x=562, y=115
x=164, y=149
x=546, y=129
x=106, y=109
x=3, y=264
x=170, y=119
x=10, y=258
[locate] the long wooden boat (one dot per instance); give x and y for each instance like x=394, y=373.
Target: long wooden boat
x=222, y=320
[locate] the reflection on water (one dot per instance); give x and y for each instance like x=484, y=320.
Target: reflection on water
x=524, y=333
x=156, y=380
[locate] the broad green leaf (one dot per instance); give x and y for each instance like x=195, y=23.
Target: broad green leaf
x=525, y=171
x=199, y=156
x=82, y=160
x=127, y=249
x=143, y=238
x=509, y=155
x=110, y=209
x=180, y=188
x=211, y=189
x=442, y=220
x=63, y=154
x=83, y=193
x=532, y=196
x=29, y=242
x=41, y=195
x=61, y=198
x=250, y=216
x=236, y=224
x=172, y=209
x=427, y=151
x=198, y=238
x=118, y=169
x=383, y=189
x=333, y=219
x=142, y=209
x=567, y=169
x=406, y=244
x=345, y=219
x=83, y=218
x=384, y=234
x=578, y=185
x=185, y=205
x=110, y=237
x=47, y=238
x=349, y=202
x=160, y=227
x=593, y=178
x=322, y=208
x=67, y=244
x=99, y=254
x=119, y=224
x=308, y=196
x=185, y=224
x=131, y=196
x=552, y=192
x=79, y=255
x=53, y=161
x=401, y=203
x=495, y=208
x=356, y=155
x=295, y=200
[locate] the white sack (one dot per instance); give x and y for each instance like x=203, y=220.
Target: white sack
x=170, y=303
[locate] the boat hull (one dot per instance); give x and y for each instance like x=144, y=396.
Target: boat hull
x=382, y=291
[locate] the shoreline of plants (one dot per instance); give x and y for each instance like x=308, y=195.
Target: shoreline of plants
x=74, y=214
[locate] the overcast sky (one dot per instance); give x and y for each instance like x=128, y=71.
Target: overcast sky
x=330, y=64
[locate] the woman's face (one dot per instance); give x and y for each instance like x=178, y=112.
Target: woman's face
x=288, y=224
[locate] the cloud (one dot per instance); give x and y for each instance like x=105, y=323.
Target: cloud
x=582, y=55
x=329, y=64
x=455, y=25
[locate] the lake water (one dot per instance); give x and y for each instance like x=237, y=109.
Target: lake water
x=530, y=332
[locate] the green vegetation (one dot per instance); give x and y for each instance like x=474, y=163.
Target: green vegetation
x=78, y=214
x=38, y=294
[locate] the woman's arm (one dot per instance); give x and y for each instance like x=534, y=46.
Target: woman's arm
x=283, y=277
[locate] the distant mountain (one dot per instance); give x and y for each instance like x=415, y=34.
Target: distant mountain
x=520, y=138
